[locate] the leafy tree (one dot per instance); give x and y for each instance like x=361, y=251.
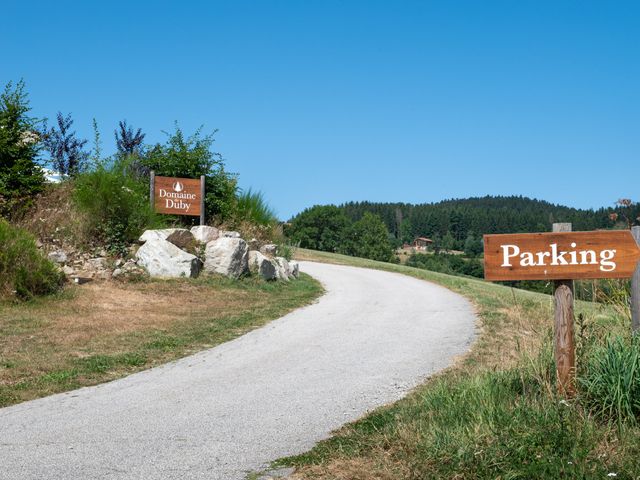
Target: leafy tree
x=66, y=150
x=472, y=246
x=128, y=142
x=319, y=228
x=191, y=157
x=20, y=174
x=448, y=242
x=368, y=238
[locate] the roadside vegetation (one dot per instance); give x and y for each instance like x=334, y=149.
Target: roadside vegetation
x=496, y=413
x=98, y=332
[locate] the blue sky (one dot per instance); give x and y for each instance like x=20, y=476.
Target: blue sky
x=330, y=101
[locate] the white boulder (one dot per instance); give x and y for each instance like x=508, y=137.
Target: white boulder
x=262, y=265
x=227, y=256
x=163, y=259
x=205, y=234
x=229, y=234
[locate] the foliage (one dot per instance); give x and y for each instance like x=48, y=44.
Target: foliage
x=21, y=177
x=319, y=228
x=368, y=238
x=66, y=150
x=23, y=269
x=484, y=215
x=116, y=203
x=473, y=246
x=191, y=157
x=252, y=207
x=128, y=142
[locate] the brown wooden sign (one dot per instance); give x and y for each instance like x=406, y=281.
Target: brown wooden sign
x=177, y=196
x=560, y=256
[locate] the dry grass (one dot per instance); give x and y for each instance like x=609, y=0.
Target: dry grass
x=104, y=330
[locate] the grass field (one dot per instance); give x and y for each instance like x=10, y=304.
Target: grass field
x=101, y=331
x=495, y=414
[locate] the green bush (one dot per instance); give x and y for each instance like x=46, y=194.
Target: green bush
x=24, y=272
x=611, y=379
x=116, y=204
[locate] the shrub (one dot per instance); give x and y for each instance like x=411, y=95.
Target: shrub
x=116, y=203
x=23, y=269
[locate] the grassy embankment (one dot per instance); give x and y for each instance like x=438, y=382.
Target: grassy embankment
x=105, y=330
x=495, y=414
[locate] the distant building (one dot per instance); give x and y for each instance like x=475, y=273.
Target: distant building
x=421, y=243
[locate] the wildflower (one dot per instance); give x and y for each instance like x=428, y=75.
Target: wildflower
x=612, y=474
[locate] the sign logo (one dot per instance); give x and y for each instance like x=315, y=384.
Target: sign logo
x=178, y=187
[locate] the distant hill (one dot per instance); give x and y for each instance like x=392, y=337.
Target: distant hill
x=480, y=215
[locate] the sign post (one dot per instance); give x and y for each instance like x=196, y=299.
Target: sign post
x=564, y=349
x=635, y=289
x=178, y=196
x=563, y=256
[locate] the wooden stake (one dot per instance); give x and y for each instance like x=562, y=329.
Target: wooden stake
x=564, y=347
x=152, y=189
x=635, y=290
x=202, y=191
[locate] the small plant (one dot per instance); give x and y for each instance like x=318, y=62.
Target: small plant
x=611, y=381
x=24, y=272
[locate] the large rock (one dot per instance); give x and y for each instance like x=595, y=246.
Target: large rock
x=261, y=265
x=157, y=234
x=227, y=256
x=205, y=234
x=229, y=234
x=163, y=259
x=284, y=270
x=183, y=239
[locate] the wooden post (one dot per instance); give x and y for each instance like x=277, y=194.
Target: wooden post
x=202, y=191
x=564, y=347
x=152, y=189
x=635, y=290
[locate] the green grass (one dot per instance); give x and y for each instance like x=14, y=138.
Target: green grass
x=496, y=413
x=100, y=332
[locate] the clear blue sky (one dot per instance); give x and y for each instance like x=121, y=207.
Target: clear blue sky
x=331, y=101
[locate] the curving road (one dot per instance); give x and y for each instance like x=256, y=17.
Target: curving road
x=271, y=393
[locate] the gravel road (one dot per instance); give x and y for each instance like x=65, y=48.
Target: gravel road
x=273, y=392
